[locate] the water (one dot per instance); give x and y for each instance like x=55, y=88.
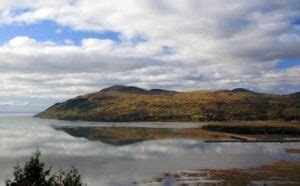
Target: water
x=103, y=164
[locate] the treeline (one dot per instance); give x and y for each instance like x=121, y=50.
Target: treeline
x=254, y=130
x=119, y=105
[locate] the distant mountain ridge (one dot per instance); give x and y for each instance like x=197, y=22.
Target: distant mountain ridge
x=296, y=94
x=132, y=89
x=242, y=90
x=129, y=103
x=121, y=88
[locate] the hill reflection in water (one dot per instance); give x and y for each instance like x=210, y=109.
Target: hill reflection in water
x=111, y=165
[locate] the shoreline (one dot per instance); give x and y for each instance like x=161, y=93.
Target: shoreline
x=280, y=172
x=258, y=141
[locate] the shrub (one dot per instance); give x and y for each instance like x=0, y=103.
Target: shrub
x=34, y=174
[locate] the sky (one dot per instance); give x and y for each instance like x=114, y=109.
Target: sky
x=54, y=50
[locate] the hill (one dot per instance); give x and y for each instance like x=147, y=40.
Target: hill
x=127, y=103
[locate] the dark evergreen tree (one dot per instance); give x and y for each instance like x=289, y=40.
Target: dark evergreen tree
x=34, y=174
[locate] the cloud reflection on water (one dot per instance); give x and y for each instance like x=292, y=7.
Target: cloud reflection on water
x=112, y=164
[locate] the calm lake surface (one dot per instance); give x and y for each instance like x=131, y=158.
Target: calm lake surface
x=104, y=164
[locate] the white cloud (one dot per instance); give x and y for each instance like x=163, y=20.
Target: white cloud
x=186, y=44
x=14, y=103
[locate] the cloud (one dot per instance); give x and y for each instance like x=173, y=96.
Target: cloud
x=185, y=45
x=15, y=103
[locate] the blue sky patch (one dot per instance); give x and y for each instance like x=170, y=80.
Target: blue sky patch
x=288, y=63
x=296, y=22
x=50, y=31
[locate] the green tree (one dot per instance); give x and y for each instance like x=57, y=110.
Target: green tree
x=34, y=174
